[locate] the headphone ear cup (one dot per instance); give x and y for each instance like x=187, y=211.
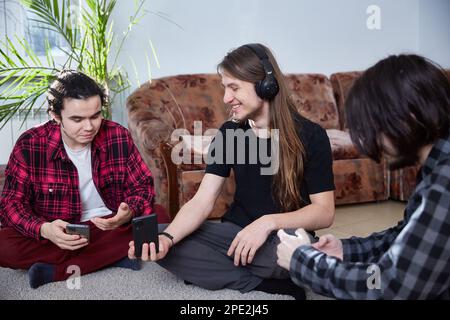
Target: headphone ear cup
x=258, y=89
x=267, y=88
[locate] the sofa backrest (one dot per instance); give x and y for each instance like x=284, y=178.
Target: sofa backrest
x=313, y=96
x=177, y=101
x=342, y=82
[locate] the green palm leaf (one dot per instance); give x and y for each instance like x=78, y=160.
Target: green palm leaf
x=88, y=37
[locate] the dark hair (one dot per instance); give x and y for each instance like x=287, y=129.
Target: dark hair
x=72, y=84
x=243, y=64
x=406, y=98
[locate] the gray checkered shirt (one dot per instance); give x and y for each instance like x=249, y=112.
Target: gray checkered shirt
x=408, y=261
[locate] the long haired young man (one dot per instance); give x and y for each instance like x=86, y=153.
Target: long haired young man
x=294, y=189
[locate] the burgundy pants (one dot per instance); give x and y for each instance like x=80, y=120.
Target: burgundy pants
x=104, y=248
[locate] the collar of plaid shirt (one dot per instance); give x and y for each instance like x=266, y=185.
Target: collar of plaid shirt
x=440, y=150
x=56, y=147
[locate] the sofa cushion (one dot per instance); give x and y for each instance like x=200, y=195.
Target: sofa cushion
x=313, y=96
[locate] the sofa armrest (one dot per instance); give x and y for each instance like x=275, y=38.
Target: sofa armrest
x=172, y=178
x=192, y=148
x=185, y=178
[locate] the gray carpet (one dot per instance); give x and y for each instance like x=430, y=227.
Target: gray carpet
x=150, y=283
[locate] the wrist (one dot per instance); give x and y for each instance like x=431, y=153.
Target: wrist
x=43, y=230
x=168, y=236
x=270, y=222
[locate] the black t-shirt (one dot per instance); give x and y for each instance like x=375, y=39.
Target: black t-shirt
x=237, y=147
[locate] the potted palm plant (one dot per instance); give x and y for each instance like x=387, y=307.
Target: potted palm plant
x=86, y=31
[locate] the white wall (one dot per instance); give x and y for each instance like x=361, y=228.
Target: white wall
x=434, y=30
x=322, y=36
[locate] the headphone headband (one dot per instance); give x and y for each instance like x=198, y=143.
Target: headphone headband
x=267, y=88
x=258, y=50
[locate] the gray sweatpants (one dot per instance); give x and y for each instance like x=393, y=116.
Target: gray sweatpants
x=201, y=258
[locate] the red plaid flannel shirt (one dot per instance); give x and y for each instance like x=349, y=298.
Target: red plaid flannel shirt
x=42, y=183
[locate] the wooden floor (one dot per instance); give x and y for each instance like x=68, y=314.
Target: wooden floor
x=364, y=219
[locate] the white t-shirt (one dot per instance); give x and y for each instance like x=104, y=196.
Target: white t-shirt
x=91, y=202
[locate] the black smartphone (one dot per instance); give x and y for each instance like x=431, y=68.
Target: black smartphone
x=145, y=230
x=80, y=229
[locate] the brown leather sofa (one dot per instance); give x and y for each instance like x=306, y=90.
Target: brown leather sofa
x=156, y=109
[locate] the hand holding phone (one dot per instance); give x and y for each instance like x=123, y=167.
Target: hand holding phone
x=56, y=232
x=80, y=229
x=145, y=230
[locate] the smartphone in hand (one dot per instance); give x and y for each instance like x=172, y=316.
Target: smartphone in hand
x=145, y=230
x=80, y=229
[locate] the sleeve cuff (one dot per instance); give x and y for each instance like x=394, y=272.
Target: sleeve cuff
x=139, y=207
x=35, y=230
x=302, y=254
